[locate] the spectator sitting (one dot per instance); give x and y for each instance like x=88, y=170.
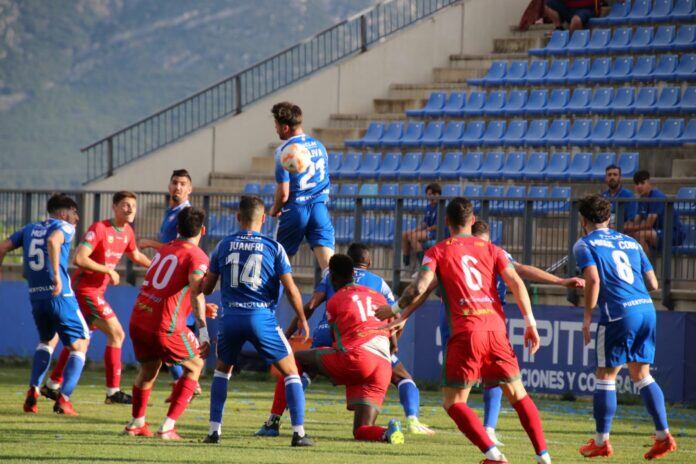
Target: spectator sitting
x=413, y=239
x=612, y=179
x=576, y=13
x=648, y=225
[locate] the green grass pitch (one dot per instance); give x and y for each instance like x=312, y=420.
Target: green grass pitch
x=94, y=436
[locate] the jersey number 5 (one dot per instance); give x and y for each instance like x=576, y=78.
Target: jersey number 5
x=37, y=259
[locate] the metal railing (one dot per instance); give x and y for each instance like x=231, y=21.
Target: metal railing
x=535, y=231
x=232, y=94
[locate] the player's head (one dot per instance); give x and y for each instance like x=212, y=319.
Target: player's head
x=288, y=119
x=459, y=216
x=124, y=205
x=595, y=212
x=341, y=271
x=190, y=223
x=180, y=186
x=432, y=192
x=360, y=255
x=612, y=176
x=482, y=230
x=61, y=206
x=642, y=181
x=252, y=214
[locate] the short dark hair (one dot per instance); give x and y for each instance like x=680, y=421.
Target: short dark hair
x=480, y=227
x=123, y=194
x=341, y=267
x=359, y=253
x=59, y=201
x=459, y=210
x=181, y=173
x=595, y=208
x=434, y=187
x=288, y=114
x=641, y=176
x=612, y=166
x=250, y=208
x=190, y=220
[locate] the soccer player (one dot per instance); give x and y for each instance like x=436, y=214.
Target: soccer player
x=252, y=267
x=360, y=357
x=46, y=246
x=97, y=256
x=427, y=230
x=409, y=395
x=172, y=289
x=478, y=348
x=616, y=270
x=301, y=199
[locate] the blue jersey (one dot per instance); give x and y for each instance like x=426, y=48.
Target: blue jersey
x=621, y=263
x=33, y=238
x=312, y=185
x=167, y=231
x=430, y=217
x=630, y=208
x=250, y=265
x=500, y=283
x=645, y=209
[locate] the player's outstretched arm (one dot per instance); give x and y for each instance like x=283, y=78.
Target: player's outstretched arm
x=534, y=274
x=198, y=308
x=138, y=257
x=55, y=241
x=516, y=285
x=309, y=307
x=145, y=243
x=416, y=292
x=295, y=299
x=591, y=297
x=282, y=194
x=209, y=282
x=82, y=259
x=5, y=247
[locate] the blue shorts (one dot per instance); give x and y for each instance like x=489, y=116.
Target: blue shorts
x=299, y=221
x=260, y=328
x=631, y=339
x=566, y=13
x=322, y=336
x=59, y=315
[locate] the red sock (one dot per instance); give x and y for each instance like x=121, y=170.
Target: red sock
x=112, y=366
x=140, y=399
x=369, y=433
x=57, y=373
x=529, y=417
x=279, y=402
x=470, y=425
x=181, y=397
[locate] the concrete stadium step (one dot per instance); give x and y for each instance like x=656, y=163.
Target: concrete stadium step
x=535, y=30
x=336, y=135
x=235, y=182
x=456, y=75
x=423, y=91
x=517, y=44
x=396, y=104
x=482, y=61
x=361, y=121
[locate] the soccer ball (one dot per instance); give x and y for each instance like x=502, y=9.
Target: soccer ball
x=295, y=158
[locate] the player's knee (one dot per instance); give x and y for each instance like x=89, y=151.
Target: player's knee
x=117, y=335
x=80, y=345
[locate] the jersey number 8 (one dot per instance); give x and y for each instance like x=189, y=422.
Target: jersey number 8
x=623, y=266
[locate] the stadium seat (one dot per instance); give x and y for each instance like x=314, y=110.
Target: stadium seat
x=383, y=232
x=369, y=166
x=392, y=135
x=625, y=132
x=449, y=168
x=671, y=132
x=517, y=72
x=602, y=133
x=686, y=208
x=602, y=101
x=685, y=39
x=335, y=159
x=452, y=136
x=410, y=162
x=688, y=245
x=368, y=224
x=471, y=165
x=556, y=45
x=380, y=202
x=620, y=41
x=664, y=36
x=413, y=200
x=496, y=193
x=558, y=101
x=600, y=163
x=455, y=105
x=559, y=200
x=368, y=190
x=661, y=11
x=473, y=191
x=645, y=100
x=495, y=102
x=598, y=72
x=628, y=162
x=599, y=42
x=686, y=70
x=436, y=101
x=542, y=193
x=669, y=100
x=621, y=69
x=580, y=132
x=268, y=194
x=451, y=190
x=642, y=39
x=647, y=133
x=536, y=165
x=536, y=74
x=492, y=165
x=390, y=164
x=514, y=135
x=514, y=165
x=581, y=70
x=372, y=136
x=411, y=138
x=432, y=135
x=494, y=76
x=333, y=191
x=225, y=225
x=511, y=206
x=577, y=45
x=688, y=101
x=684, y=10
x=579, y=102
x=345, y=229
x=536, y=132
x=557, y=168
x=623, y=101
x=516, y=102
x=473, y=133
x=475, y=103
x=252, y=188
x=350, y=165
x=689, y=134
x=640, y=11
x=494, y=132
x=346, y=204
x=643, y=69
x=431, y=166
x=666, y=68
x=617, y=14
x=558, y=71
x=558, y=132
x=536, y=103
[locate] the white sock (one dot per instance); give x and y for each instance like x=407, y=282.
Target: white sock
x=111, y=391
x=299, y=429
x=661, y=434
x=600, y=438
x=494, y=454
x=411, y=417
x=490, y=430
x=167, y=425
x=137, y=422
x=215, y=427
x=52, y=385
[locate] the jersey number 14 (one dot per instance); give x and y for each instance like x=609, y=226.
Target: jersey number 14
x=251, y=271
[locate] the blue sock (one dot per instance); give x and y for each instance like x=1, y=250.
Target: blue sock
x=491, y=406
x=409, y=396
x=306, y=381
x=295, y=399
x=72, y=372
x=39, y=367
x=604, y=408
x=177, y=371
x=218, y=396
x=654, y=402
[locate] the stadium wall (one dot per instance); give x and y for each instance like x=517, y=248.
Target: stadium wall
x=562, y=364
x=348, y=87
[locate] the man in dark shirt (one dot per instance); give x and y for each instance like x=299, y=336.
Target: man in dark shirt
x=576, y=13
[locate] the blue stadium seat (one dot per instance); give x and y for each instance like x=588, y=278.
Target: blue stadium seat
x=225, y=225
x=471, y=165
x=383, y=234
x=252, y=188
x=390, y=165
x=475, y=103
x=492, y=165
x=560, y=200
x=517, y=72
x=663, y=39
x=451, y=190
x=436, y=101
x=557, y=72
x=685, y=39
x=625, y=132
x=413, y=202
x=369, y=166
x=268, y=194
x=514, y=135
x=345, y=229
x=661, y=11
x=599, y=71
x=686, y=70
x=623, y=101
x=666, y=68
x=642, y=39
x=617, y=14
x=455, y=105
x=449, y=168
x=580, y=132
x=688, y=101
x=640, y=11
x=410, y=163
x=643, y=69
x=495, y=103
x=333, y=191
x=511, y=206
x=368, y=190
x=411, y=137
x=431, y=166
x=600, y=163
x=621, y=69
x=432, y=135
x=536, y=74
x=514, y=165
x=392, y=134
x=367, y=232
x=602, y=101
x=558, y=132
x=684, y=10
x=536, y=103
x=452, y=136
x=686, y=208
x=628, y=162
x=671, y=132
x=346, y=204
x=542, y=193
x=645, y=100
x=350, y=165
x=536, y=165
x=268, y=228
x=495, y=75
x=602, y=133
x=473, y=133
x=536, y=132
x=335, y=159
x=688, y=245
x=494, y=132
x=620, y=41
x=380, y=202
x=647, y=133
x=496, y=192
x=599, y=42
x=577, y=45
x=556, y=45
x=579, y=102
x=558, y=101
x=372, y=136
x=516, y=102
x=557, y=168
x=473, y=191
x=669, y=100
x=580, y=70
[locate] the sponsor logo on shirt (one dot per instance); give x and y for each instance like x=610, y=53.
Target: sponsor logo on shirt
x=110, y=238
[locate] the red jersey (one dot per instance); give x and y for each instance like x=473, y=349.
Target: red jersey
x=164, y=300
x=467, y=270
x=351, y=314
x=108, y=243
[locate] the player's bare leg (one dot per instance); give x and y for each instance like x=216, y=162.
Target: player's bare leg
x=40, y=363
x=181, y=397
x=142, y=387
x=529, y=417
x=323, y=255
x=409, y=396
x=364, y=427
x=112, y=359
x=72, y=373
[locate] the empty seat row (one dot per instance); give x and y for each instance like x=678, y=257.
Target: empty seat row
x=581, y=100
x=686, y=208
x=645, y=68
x=645, y=11
x=518, y=132
x=667, y=38
x=266, y=192
x=474, y=165
x=223, y=224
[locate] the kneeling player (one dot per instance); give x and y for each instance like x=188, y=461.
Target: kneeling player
x=172, y=288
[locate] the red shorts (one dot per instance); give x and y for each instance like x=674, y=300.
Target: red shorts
x=366, y=375
x=474, y=356
x=174, y=348
x=94, y=306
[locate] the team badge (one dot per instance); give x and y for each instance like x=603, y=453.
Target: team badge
x=89, y=236
x=110, y=238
